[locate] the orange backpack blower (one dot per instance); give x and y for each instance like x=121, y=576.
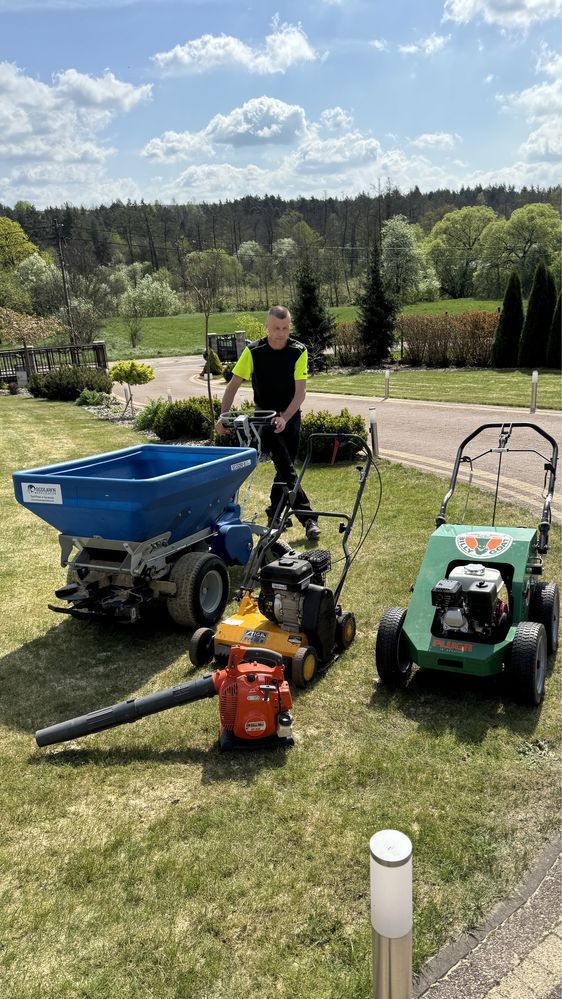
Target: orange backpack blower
x=254, y=704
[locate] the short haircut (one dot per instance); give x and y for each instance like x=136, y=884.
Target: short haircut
x=279, y=312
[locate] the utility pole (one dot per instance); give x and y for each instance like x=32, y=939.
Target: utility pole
x=58, y=229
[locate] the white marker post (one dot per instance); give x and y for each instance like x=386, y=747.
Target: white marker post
x=374, y=431
x=391, y=914
x=534, y=389
x=169, y=391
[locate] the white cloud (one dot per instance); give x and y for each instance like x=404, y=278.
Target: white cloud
x=51, y=134
x=336, y=119
x=173, y=146
x=489, y=78
x=511, y=14
x=436, y=140
x=260, y=120
x=105, y=92
x=286, y=46
x=380, y=44
x=426, y=46
x=353, y=149
x=541, y=106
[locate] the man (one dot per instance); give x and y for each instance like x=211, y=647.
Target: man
x=277, y=366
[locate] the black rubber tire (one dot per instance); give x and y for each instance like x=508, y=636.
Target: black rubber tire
x=202, y=647
x=545, y=609
x=527, y=665
x=304, y=666
x=346, y=629
x=202, y=589
x=393, y=665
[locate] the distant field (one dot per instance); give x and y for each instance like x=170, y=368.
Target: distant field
x=185, y=334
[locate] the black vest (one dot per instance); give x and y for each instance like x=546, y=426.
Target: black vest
x=273, y=375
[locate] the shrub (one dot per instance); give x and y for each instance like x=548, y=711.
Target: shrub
x=213, y=363
x=13, y=388
x=66, y=383
x=131, y=373
x=322, y=422
x=144, y=420
x=188, y=418
x=227, y=372
x=348, y=347
x=439, y=341
x=89, y=397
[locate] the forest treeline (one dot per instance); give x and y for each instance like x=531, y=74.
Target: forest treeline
x=160, y=234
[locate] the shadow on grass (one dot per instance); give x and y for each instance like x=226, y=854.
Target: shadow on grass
x=77, y=667
x=469, y=706
x=239, y=767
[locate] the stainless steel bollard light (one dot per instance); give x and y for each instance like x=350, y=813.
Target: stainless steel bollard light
x=534, y=387
x=391, y=914
x=374, y=431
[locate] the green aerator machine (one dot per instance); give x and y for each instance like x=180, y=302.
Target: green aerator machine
x=478, y=606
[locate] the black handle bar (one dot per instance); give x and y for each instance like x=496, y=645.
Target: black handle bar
x=506, y=430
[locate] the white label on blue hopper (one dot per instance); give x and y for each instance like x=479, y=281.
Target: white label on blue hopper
x=240, y=464
x=41, y=492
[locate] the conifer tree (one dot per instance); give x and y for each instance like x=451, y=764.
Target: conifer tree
x=553, y=347
x=536, y=328
x=376, y=313
x=313, y=324
x=505, y=350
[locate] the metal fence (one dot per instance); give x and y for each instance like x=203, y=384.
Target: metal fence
x=24, y=361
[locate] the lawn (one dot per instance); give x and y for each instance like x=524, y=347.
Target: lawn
x=140, y=862
x=185, y=334
x=471, y=385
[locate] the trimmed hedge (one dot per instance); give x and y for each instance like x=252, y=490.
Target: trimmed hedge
x=67, y=383
x=323, y=422
x=187, y=418
x=461, y=340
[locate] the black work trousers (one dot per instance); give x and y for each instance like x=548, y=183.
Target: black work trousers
x=283, y=449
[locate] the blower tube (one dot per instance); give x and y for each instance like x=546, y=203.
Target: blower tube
x=127, y=711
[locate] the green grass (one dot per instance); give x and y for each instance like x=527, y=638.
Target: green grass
x=471, y=385
x=141, y=862
x=185, y=334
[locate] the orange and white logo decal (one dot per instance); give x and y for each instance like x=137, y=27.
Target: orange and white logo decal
x=483, y=544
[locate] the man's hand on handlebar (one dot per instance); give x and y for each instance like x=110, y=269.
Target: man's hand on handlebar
x=221, y=429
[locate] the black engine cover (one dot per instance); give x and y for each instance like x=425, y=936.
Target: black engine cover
x=319, y=620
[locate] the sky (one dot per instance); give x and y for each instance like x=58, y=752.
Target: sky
x=208, y=100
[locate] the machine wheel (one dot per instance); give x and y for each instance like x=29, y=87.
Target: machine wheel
x=201, y=589
x=527, y=668
x=346, y=628
x=391, y=657
x=202, y=647
x=305, y=664
x=545, y=608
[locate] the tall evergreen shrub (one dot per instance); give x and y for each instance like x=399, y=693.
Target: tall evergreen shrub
x=536, y=328
x=505, y=351
x=313, y=324
x=553, y=347
x=376, y=313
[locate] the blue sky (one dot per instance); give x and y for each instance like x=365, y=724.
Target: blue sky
x=204, y=100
